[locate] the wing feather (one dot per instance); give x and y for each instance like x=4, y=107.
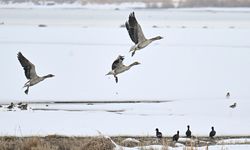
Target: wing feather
x=118, y=62
x=134, y=29
x=29, y=68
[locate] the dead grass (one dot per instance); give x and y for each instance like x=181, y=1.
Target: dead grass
x=55, y=142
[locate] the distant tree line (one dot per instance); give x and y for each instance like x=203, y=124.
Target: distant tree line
x=149, y=3
x=214, y=3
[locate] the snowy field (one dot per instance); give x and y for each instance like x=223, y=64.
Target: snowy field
x=204, y=55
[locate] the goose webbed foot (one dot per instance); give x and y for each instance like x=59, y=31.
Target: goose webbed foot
x=116, y=79
x=26, y=91
x=133, y=53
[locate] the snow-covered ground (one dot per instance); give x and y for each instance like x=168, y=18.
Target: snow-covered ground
x=76, y=5
x=97, y=17
x=204, y=54
x=129, y=118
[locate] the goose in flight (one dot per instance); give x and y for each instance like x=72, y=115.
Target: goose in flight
x=118, y=67
x=136, y=34
x=30, y=72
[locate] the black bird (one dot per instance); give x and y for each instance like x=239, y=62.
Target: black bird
x=23, y=106
x=158, y=133
x=233, y=105
x=176, y=136
x=228, y=95
x=212, y=133
x=188, y=132
x=11, y=105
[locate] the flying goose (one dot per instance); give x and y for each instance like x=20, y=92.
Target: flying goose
x=188, y=132
x=30, y=72
x=136, y=34
x=212, y=133
x=176, y=136
x=158, y=133
x=118, y=67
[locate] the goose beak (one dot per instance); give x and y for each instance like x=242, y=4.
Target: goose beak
x=109, y=73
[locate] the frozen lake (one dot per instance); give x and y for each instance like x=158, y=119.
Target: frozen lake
x=84, y=17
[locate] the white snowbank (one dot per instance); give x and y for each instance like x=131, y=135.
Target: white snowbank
x=75, y=5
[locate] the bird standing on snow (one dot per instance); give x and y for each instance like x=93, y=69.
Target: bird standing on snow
x=158, y=133
x=188, y=132
x=212, y=133
x=228, y=95
x=23, y=106
x=176, y=136
x=136, y=34
x=30, y=72
x=11, y=105
x=118, y=67
x=233, y=106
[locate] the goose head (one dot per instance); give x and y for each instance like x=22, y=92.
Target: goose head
x=135, y=63
x=49, y=76
x=158, y=38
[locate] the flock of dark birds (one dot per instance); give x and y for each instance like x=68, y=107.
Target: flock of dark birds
x=188, y=134
x=175, y=138
x=20, y=105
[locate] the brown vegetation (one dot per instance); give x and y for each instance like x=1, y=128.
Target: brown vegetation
x=55, y=143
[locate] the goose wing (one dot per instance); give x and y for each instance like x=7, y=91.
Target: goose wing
x=29, y=68
x=118, y=62
x=134, y=29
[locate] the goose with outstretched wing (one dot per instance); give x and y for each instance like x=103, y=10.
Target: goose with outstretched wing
x=135, y=32
x=118, y=67
x=30, y=72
